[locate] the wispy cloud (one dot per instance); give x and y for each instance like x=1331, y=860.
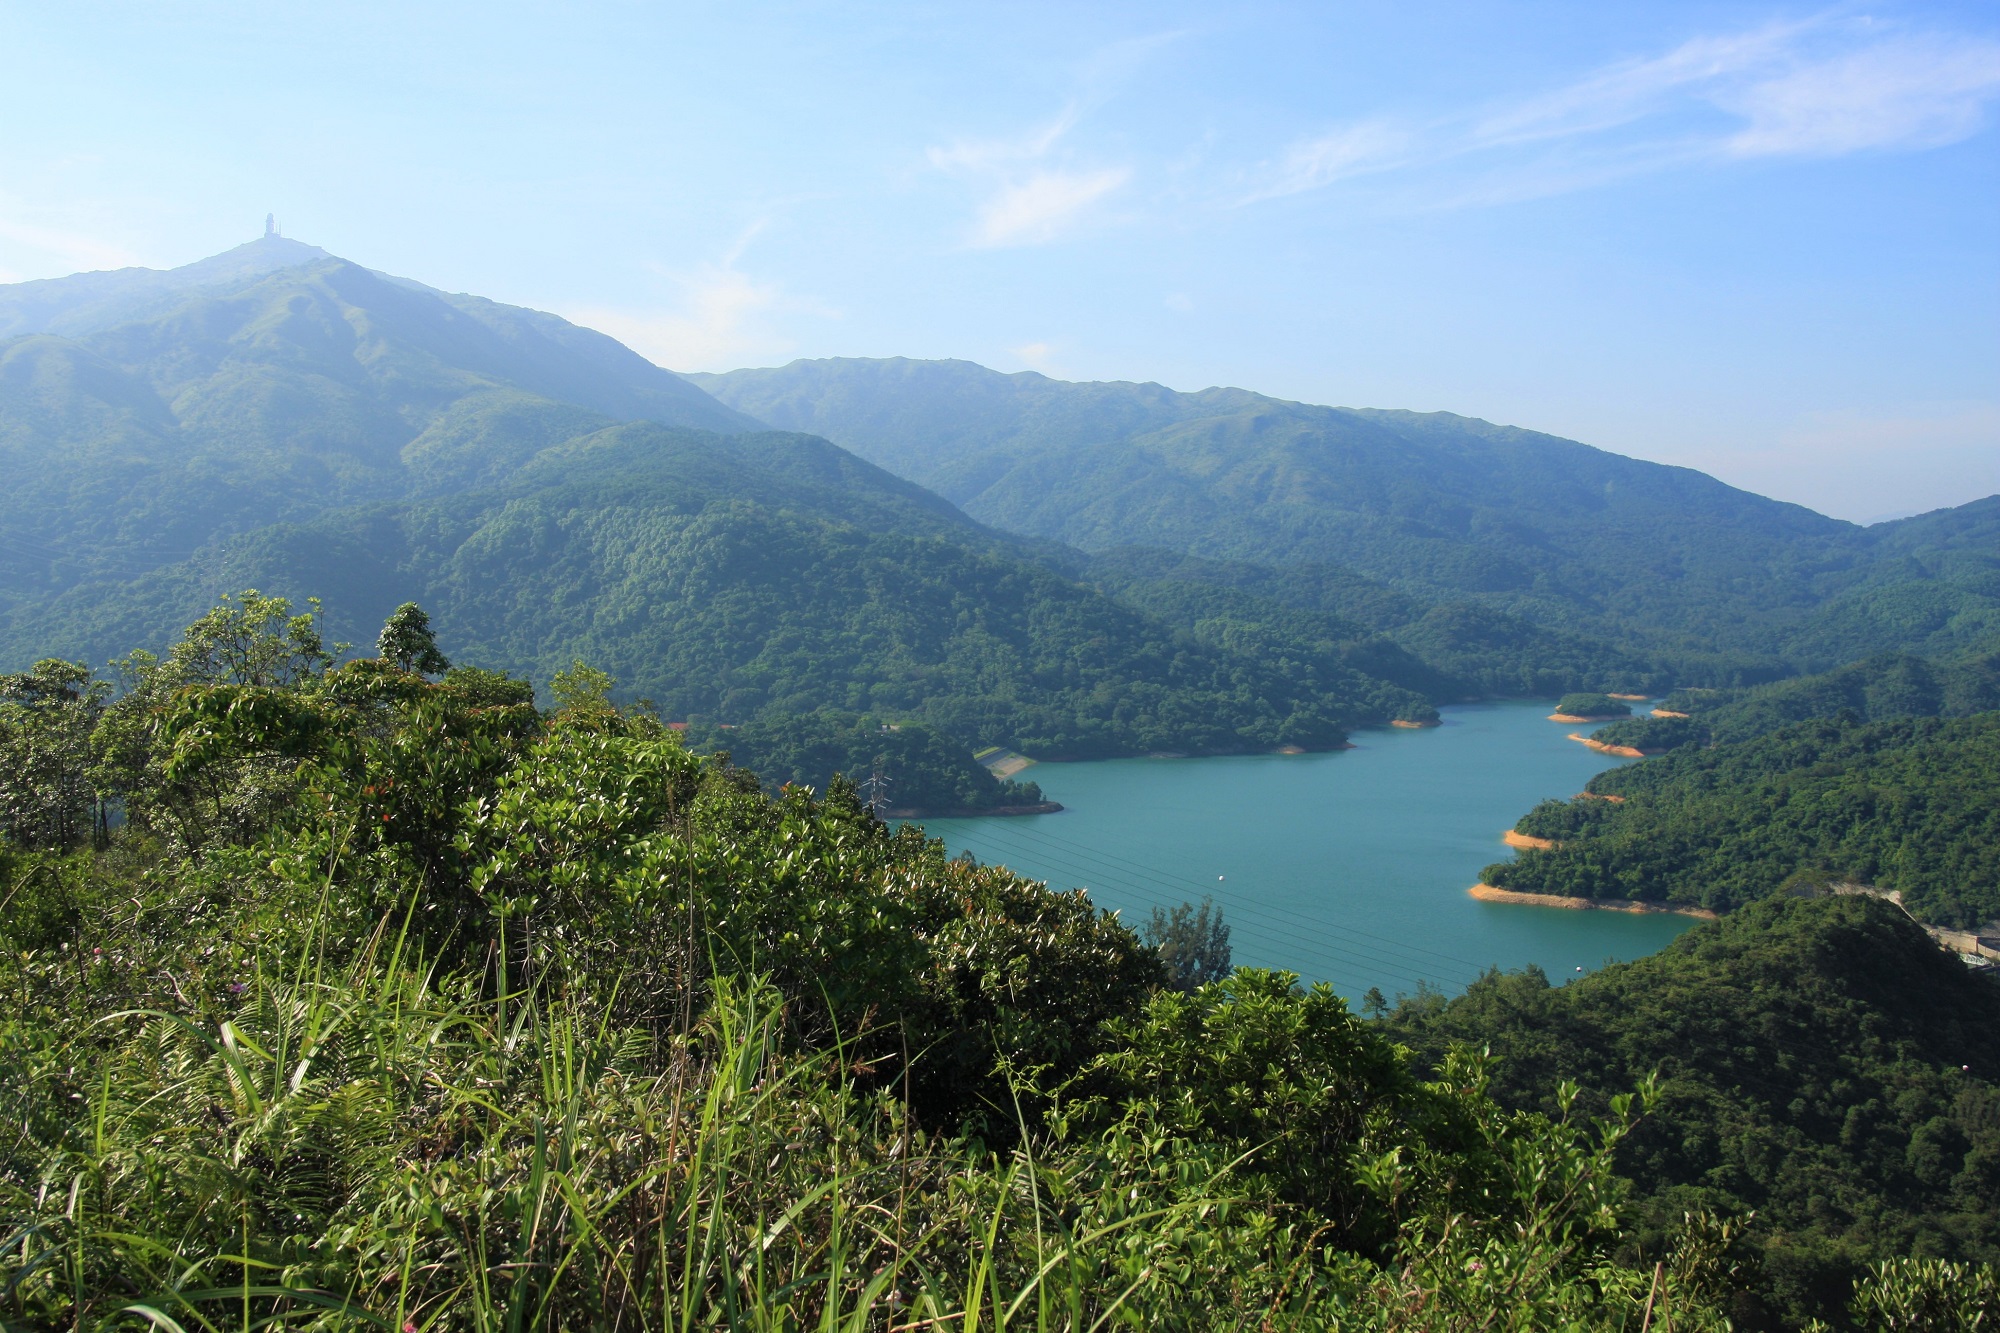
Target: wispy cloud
x=1036, y=187
x=1351, y=150
x=1036, y=356
x=1920, y=92
x=1028, y=201
x=717, y=324
x=1000, y=154
x=1043, y=206
x=1817, y=87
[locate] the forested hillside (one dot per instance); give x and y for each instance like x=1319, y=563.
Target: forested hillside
x=1910, y=806
x=280, y=419
x=1567, y=535
x=1883, y=686
x=394, y=1001
x=1822, y=1065
x=1445, y=650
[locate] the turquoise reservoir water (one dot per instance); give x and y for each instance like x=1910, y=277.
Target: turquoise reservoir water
x=1350, y=867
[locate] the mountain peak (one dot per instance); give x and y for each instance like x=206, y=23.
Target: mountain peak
x=266, y=254
x=84, y=302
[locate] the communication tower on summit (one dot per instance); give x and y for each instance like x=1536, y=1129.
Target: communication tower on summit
x=270, y=225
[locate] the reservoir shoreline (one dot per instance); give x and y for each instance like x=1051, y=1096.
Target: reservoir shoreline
x=1488, y=893
x=1348, y=867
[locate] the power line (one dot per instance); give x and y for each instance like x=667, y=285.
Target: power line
x=1299, y=918
x=1288, y=923
x=1281, y=937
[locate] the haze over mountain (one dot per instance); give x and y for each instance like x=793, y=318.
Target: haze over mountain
x=1264, y=573
x=1437, y=504
x=282, y=419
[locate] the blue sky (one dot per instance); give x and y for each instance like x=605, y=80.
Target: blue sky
x=1762, y=240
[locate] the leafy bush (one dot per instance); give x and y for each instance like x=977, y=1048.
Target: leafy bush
x=397, y=1001
x=1826, y=1073
x=1193, y=943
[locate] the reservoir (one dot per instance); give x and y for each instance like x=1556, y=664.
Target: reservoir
x=1348, y=867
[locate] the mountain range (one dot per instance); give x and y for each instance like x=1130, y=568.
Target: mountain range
x=1064, y=569
x=1440, y=505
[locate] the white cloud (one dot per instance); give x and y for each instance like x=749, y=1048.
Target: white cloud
x=1818, y=87
x=1035, y=355
x=1035, y=188
x=1631, y=90
x=717, y=326
x=1348, y=151
x=994, y=154
x=1913, y=93
x=1043, y=206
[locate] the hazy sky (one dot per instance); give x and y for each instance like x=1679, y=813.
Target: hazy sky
x=1762, y=240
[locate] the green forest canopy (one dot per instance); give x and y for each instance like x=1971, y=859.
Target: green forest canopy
x=1809, y=1053
x=1664, y=558
x=1910, y=806
x=396, y=999
x=1883, y=686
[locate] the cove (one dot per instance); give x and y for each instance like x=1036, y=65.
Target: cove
x=1349, y=867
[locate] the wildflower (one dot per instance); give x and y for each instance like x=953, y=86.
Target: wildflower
x=237, y=988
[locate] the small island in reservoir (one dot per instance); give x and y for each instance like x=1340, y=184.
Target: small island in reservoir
x=1588, y=707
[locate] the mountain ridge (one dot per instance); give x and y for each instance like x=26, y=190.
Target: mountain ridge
x=1448, y=506
x=317, y=428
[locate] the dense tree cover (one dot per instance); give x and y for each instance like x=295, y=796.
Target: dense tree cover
x=1883, y=686
x=736, y=609
x=255, y=396
x=280, y=418
x=320, y=430
x=1909, y=806
x=914, y=769
x=1339, y=657
x=1813, y=1061
x=398, y=1002
x=1652, y=735
x=1442, y=650
x=1444, y=505
x=1592, y=703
